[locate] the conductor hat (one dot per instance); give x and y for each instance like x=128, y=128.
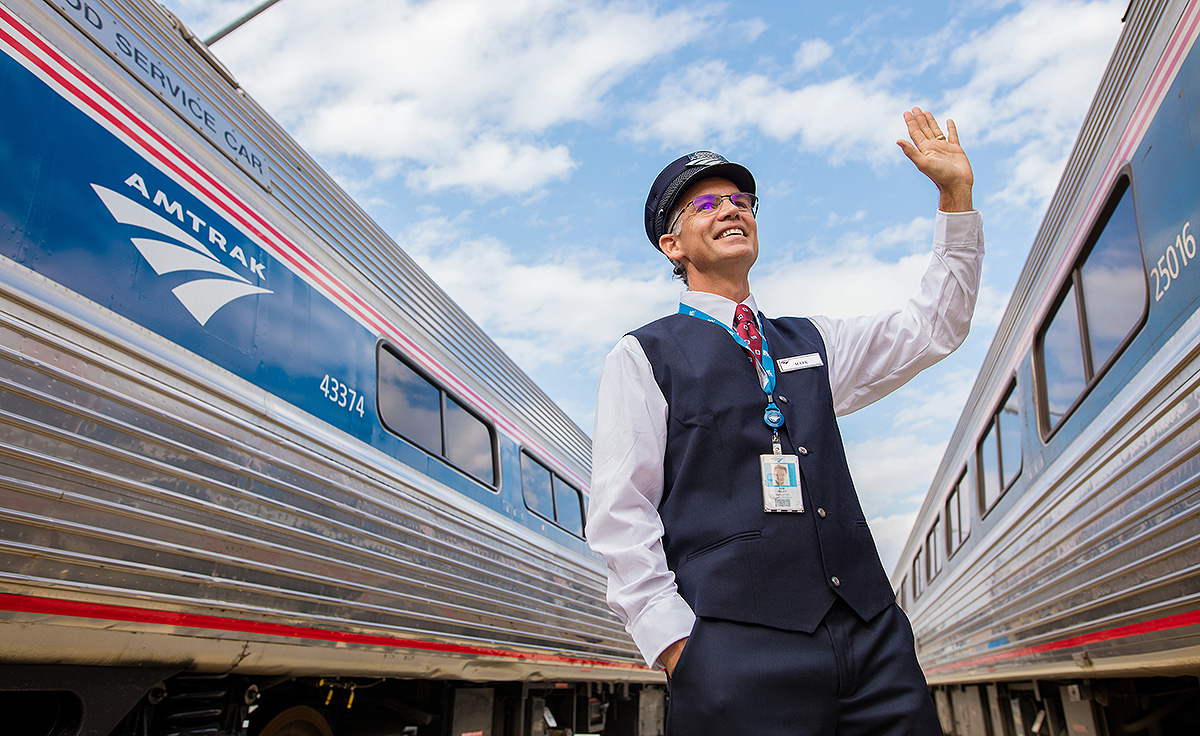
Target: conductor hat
x=673, y=180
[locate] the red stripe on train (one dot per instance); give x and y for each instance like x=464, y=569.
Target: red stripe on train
x=1167, y=623
x=77, y=609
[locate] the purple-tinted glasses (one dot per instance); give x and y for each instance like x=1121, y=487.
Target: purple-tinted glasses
x=708, y=203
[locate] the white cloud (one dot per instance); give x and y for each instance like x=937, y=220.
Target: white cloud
x=1031, y=77
x=494, y=165
x=530, y=307
x=891, y=534
x=468, y=91
x=838, y=284
x=750, y=29
x=849, y=277
x=938, y=408
x=839, y=219
x=849, y=118
x=892, y=469
x=811, y=53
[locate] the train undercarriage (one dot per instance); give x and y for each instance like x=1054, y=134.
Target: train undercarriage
x=41, y=700
x=1137, y=706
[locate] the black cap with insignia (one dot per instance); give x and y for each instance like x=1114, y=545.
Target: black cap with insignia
x=674, y=178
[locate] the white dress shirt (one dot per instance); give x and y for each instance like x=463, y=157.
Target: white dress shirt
x=868, y=358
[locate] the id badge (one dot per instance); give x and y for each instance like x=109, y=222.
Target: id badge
x=781, y=483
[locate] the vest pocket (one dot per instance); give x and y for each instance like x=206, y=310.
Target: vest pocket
x=740, y=537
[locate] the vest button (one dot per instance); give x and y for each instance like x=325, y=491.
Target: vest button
x=802, y=450
x=836, y=583
x=783, y=398
x=821, y=513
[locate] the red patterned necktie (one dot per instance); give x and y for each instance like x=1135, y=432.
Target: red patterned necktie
x=744, y=325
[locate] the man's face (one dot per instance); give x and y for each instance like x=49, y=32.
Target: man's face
x=781, y=475
x=725, y=239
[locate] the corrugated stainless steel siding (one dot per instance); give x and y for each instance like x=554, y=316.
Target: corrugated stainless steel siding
x=124, y=477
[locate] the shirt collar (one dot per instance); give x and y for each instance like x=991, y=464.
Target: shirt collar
x=716, y=306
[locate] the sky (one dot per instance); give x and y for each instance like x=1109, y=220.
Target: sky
x=509, y=148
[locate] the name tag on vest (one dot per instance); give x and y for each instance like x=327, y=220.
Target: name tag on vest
x=796, y=362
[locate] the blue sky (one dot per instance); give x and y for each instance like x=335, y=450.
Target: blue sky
x=509, y=146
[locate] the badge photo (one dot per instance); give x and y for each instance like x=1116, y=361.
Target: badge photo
x=781, y=483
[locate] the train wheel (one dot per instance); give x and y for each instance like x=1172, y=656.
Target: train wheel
x=298, y=720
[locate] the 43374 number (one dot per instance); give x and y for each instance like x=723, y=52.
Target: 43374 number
x=342, y=395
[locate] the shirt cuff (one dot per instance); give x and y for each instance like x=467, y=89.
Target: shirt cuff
x=661, y=625
x=957, y=229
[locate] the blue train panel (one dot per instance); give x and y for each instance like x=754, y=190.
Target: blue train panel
x=83, y=208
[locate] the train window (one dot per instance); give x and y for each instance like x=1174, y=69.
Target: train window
x=1114, y=284
x=1102, y=305
x=1062, y=359
x=409, y=405
x=551, y=497
x=469, y=442
x=933, y=547
x=568, y=506
x=999, y=458
x=536, y=486
x=958, y=516
x=1009, y=422
x=418, y=410
x=989, y=467
x=918, y=574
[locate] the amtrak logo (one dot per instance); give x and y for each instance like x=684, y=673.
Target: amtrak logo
x=179, y=250
x=705, y=158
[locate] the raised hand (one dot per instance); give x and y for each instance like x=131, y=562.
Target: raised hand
x=939, y=156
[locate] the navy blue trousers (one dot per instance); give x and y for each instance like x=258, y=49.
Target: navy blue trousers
x=848, y=678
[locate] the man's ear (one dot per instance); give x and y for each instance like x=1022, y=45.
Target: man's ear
x=669, y=245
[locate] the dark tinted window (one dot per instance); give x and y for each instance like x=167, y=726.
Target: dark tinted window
x=999, y=460
x=1009, y=421
x=551, y=497
x=1062, y=359
x=918, y=575
x=933, y=545
x=568, y=506
x=469, y=442
x=958, y=517
x=989, y=467
x=409, y=405
x=1114, y=287
x=418, y=410
x=1102, y=305
x=536, y=487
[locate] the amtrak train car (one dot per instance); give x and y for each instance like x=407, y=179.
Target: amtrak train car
x=258, y=474
x=1053, y=575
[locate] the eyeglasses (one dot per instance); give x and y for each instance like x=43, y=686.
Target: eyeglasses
x=708, y=203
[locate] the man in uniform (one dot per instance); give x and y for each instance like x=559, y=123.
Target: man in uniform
x=766, y=605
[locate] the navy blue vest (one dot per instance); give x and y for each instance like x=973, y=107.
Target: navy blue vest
x=731, y=559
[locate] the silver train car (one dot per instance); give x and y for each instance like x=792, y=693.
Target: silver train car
x=1053, y=573
x=258, y=473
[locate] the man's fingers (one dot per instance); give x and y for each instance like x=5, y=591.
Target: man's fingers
x=916, y=125
x=951, y=131
x=910, y=150
x=923, y=126
x=931, y=122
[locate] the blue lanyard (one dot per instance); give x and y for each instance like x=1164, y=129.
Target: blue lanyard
x=772, y=417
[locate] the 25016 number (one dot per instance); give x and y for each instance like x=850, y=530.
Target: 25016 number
x=1179, y=255
x=342, y=395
